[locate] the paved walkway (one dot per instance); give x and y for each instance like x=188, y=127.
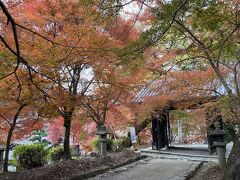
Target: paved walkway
x=151, y=169
x=170, y=164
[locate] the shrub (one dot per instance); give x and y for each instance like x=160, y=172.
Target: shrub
x=230, y=132
x=96, y=144
x=126, y=142
x=56, y=153
x=30, y=156
x=121, y=143
x=117, y=145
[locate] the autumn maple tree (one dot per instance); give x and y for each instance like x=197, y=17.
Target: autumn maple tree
x=69, y=64
x=61, y=50
x=20, y=108
x=207, y=35
x=83, y=58
x=65, y=53
x=197, y=35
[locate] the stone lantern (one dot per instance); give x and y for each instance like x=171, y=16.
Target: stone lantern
x=219, y=142
x=102, y=133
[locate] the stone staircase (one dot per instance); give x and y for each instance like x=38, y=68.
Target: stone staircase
x=164, y=154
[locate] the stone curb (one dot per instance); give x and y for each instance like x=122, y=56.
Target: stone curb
x=107, y=168
x=194, y=171
x=189, y=148
x=178, y=154
x=188, y=158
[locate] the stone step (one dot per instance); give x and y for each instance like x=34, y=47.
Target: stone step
x=183, y=156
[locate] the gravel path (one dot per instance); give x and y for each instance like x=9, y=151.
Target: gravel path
x=151, y=169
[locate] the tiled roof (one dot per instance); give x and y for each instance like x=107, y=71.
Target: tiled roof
x=154, y=88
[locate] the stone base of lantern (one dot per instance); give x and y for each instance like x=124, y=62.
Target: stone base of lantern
x=221, y=152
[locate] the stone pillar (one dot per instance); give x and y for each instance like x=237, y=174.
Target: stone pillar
x=103, y=142
x=103, y=147
x=180, y=138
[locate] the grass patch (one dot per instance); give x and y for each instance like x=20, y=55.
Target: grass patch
x=12, y=162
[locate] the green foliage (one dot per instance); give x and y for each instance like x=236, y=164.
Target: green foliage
x=56, y=153
x=181, y=115
x=96, y=144
x=117, y=145
x=113, y=145
x=121, y=143
x=2, y=54
x=30, y=156
x=230, y=132
x=225, y=104
x=126, y=142
x=12, y=162
x=210, y=21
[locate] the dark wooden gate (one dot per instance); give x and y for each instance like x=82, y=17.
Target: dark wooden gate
x=160, y=131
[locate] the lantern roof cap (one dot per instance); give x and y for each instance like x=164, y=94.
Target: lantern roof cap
x=101, y=132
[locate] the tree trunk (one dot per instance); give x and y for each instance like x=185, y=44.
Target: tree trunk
x=66, y=144
x=143, y=125
x=232, y=171
x=9, y=137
